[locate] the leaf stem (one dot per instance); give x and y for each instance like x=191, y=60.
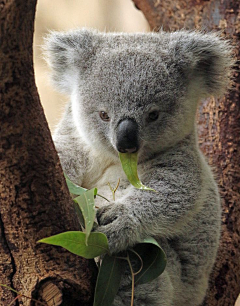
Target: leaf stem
x=118, y=183
x=124, y=258
x=99, y=195
x=15, y=299
x=113, y=194
x=114, y=189
x=135, y=273
x=131, y=269
x=20, y=294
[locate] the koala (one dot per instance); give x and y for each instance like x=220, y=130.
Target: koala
x=139, y=93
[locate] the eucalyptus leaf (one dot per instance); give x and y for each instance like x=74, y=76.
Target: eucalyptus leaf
x=153, y=259
x=108, y=280
x=77, y=190
x=73, y=188
x=87, y=206
x=129, y=164
x=74, y=242
x=79, y=215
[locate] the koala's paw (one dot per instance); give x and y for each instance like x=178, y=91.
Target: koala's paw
x=118, y=225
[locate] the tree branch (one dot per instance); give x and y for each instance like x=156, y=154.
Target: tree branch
x=35, y=202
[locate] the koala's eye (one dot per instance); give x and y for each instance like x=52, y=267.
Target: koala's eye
x=153, y=116
x=104, y=116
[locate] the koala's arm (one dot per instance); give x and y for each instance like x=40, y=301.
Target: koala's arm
x=165, y=214
x=72, y=160
x=71, y=150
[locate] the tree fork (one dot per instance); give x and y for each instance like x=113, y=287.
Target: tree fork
x=35, y=202
x=218, y=128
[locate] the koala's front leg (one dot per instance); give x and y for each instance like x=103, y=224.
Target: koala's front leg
x=120, y=226
x=144, y=213
x=72, y=156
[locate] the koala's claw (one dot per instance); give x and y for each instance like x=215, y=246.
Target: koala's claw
x=108, y=214
x=112, y=239
x=118, y=240
x=103, y=215
x=106, y=217
x=115, y=222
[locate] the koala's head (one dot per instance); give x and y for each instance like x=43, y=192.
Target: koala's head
x=133, y=92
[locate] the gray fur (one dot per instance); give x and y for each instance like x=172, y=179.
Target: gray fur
x=128, y=76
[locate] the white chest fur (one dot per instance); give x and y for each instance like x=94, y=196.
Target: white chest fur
x=105, y=175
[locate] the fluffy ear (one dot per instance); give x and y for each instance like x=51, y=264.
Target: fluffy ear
x=205, y=58
x=69, y=55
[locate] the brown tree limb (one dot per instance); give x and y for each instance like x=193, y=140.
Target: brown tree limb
x=35, y=202
x=219, y=128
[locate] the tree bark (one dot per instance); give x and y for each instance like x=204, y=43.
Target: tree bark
x=219, y=128
x=35, y=202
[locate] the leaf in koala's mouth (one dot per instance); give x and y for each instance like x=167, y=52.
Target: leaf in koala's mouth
x=129, y=164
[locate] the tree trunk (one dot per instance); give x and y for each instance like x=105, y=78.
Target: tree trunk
x=219, y=129
x=35, y=202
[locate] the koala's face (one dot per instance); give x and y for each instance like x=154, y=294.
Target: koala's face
x=136, y=92
x=131, y=101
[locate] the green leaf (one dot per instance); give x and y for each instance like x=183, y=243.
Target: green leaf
x=77, y=190
x=108, y=280
x=129, y=164
x=153, y=258
x=79, y=215
x=87, y=206
x=74, y=242
x=73, y=188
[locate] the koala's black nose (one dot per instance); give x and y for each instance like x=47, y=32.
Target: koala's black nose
x=127, y=136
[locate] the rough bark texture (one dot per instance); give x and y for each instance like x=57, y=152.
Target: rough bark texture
x=34, y=199
x=219, y=128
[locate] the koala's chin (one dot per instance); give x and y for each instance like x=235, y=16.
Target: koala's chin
x=138, y=93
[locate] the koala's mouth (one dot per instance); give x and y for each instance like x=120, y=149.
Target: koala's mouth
x=127, y=138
